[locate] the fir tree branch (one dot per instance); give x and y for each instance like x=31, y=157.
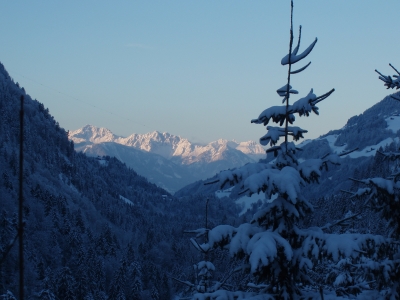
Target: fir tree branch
x=340, y=222
x=211, y=182
x=301, y=69
x=348, y=192
x=348, y=152
x=394, y=68
x=198, y=246
x=183, y=282
x=222, y=283
x=357, y=180
x=323, y=97
x=242, y=192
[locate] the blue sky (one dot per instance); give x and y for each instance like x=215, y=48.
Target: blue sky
x=198, y=69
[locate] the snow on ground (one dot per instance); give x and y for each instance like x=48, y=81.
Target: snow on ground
x=331, y=141
x=103, y=162
x=303, y=143
x=393, y=123
x=225, y=193
x=126, y=200
x=371, y=150
x=367, y=151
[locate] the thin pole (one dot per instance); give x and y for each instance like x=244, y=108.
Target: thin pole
x=288, y=79
x=21, y=201
x=206, y=241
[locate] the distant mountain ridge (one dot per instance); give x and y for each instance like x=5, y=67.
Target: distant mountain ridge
x=168, y=160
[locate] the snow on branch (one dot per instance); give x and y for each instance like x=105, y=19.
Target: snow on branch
x=307, y=104
x=199, y=232
x=276, y=113
x=274, y=133
x=204, y=248
x=382, y=184
x=235, y=176
x=296, y=132
x=388, y=81
x=285, y=182
x=263, y=249
x=345, y=245
x=339, y=246
x=310, y=169
x=294, y=57
x=220, y=235
x=383, y=196
x=303, y=106
x=272, y=136
x=359, y=193
x=241, y=238
x=285, y=91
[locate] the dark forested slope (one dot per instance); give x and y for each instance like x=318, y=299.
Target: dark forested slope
x=94, y=229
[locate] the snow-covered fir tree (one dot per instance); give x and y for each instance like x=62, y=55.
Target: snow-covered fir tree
x=276, y=251
x=203, y=282
x=383, y=196
x=383, y=270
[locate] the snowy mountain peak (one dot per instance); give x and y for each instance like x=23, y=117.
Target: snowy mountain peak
x=90, y=133
x=168, y=145
x=198, y=161
x=192, y=161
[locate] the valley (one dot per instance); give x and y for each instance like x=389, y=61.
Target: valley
x=169, y=161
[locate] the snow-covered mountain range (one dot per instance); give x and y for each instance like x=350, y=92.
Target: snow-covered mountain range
x=168, y=160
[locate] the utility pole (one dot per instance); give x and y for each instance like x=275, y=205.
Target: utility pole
x=21, y=202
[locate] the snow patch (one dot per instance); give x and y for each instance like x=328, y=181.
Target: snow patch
x=225, y=193
x=393, y=123
x=371, y=150
x=367, y=151
x=126, y=200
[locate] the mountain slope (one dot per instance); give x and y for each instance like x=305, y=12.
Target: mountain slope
x=154, y=167
x=94, y=228
x=377, y=127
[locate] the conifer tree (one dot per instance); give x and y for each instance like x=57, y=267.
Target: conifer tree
x=203, y=270
x=276, y=251
x=271, y=242
x=383, y=196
